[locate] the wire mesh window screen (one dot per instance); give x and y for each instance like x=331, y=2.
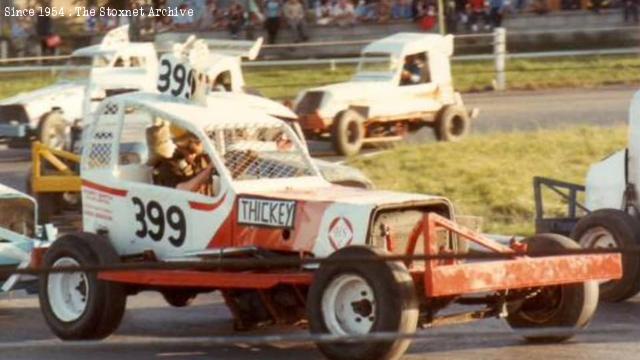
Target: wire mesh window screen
x=103, y=133
x=101, y=148
x=260, y=152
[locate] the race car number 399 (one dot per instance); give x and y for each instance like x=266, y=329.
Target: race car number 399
x=270, y=213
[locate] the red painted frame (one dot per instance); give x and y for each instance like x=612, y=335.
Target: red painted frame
x=441, y=277
x=451, y=277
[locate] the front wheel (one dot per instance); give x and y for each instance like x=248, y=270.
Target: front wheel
x=359, y=298
x=348, y=133
x=452, y=124
x=553, y=313
x=77, y=305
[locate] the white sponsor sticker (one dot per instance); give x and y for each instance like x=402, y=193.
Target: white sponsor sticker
x=340, y=232
x=262, y=212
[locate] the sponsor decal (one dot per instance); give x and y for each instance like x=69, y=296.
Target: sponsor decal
x=340, y=232
x=263, y=212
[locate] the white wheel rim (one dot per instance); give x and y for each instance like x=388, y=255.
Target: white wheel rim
x=68, y=292
x=348, y=306
x=56, y=137
x=598, y=238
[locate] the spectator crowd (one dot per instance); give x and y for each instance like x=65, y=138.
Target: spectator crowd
x=248, y=17
x=295, y=16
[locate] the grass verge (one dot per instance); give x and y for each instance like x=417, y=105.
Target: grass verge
x=491, y=175
x=469, y=76
x=283, y=83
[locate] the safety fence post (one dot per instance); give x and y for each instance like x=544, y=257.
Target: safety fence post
x=500, y=54
x=4, y=49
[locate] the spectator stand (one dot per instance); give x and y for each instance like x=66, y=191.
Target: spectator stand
x=528, y=31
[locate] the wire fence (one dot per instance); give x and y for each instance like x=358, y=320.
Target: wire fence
x=499, y=59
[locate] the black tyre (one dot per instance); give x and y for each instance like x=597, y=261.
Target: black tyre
x=178, y=298
x=452, y=124
x=553, y=313
x=610, y=228
x=19, y=143
x=78, y=306
x=53, y=131
x=388, y=303
x=348, y=133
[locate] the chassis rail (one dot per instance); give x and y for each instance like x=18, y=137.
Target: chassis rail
x=444, y=277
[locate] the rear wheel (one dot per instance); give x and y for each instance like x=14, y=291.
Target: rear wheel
x=452, y=124
x=350, y=299
x=348, y=133
x=77, y=305
x=54, y=131
x=553, y=313
x=613, y=229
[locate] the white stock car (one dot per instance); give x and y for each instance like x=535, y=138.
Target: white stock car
x=269, y=201
x=48, y=114
x=381, y=104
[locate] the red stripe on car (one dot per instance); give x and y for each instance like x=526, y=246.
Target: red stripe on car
x=104, y=189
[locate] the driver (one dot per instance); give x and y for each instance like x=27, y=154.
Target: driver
x=411, y=71
x=222, y=82
x=181, y=163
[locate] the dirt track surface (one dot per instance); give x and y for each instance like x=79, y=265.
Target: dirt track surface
x=526, y=110
x=151, y=330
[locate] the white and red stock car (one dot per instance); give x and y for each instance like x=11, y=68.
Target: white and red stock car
x=269, y=201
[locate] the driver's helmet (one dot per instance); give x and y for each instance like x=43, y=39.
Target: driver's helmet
x=159, y=141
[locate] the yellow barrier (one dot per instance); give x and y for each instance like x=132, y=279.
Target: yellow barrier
x=63, y=178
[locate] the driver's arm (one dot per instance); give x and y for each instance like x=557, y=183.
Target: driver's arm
x=410, y=75
x=197, y=181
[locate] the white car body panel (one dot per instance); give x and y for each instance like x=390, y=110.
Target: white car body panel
x=327, y=217
x=606, y=183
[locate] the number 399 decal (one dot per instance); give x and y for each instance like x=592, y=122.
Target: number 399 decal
x=175, y=78
x=158, y=219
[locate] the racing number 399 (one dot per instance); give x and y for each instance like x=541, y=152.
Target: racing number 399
x=155, y=215
x=176, y=79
